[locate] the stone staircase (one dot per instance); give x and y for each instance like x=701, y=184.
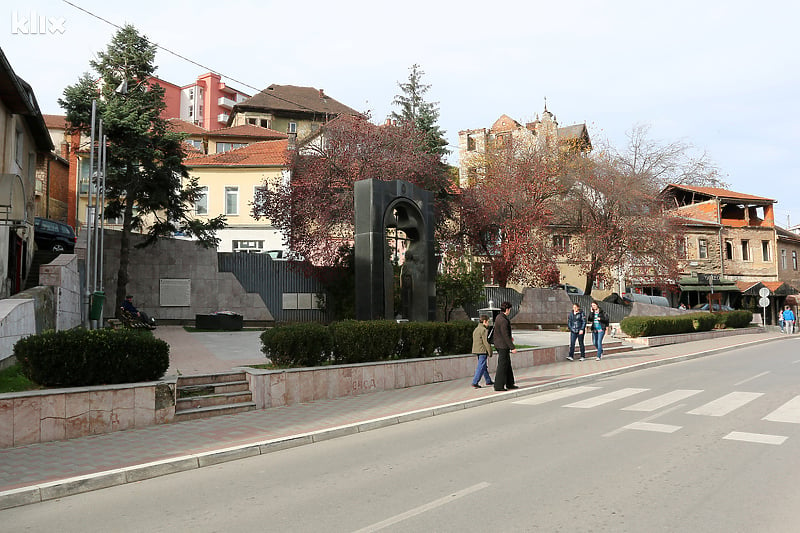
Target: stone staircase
x=40, y=257
x=610, y=347
x=206, y=395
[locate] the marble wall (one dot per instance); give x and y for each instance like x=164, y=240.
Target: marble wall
x=48, y=415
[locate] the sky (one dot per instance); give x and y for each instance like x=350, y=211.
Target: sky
x=723, y=76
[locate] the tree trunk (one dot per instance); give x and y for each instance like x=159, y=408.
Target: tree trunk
x=124, y=256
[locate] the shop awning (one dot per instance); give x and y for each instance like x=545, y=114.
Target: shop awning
x=707, y=284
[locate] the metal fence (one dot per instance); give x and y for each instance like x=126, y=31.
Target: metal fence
x=615, y=312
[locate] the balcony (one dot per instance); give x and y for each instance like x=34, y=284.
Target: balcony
x=223, y=117
x=225, y=102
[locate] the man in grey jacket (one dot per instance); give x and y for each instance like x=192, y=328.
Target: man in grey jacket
x=504, y=342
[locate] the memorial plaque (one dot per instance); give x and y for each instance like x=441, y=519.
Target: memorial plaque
x=175, y=293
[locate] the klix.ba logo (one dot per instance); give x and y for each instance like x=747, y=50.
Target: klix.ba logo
x=32, y=23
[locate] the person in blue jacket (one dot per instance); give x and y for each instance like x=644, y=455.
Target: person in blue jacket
x=576, y=323
x=788, y=319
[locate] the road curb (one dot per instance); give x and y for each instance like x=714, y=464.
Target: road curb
x=77, y=485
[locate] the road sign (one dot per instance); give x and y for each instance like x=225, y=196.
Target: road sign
x=763, y=302
x=763, y=292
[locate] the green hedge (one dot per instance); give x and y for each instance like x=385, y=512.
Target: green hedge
x=80, y=357
x=354, y=341
x=648, y=326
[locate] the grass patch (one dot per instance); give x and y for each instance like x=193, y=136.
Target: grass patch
x=192, y=329
x=12, y=380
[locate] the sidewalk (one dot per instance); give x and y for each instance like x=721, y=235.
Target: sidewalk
x=51, y=470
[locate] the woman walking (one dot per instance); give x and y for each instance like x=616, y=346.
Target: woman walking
x=599, y=323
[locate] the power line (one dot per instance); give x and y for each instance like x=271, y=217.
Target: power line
x=176, y=54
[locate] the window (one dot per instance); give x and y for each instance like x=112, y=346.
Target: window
x=728, y=250
x=226, y=147
x=293, y=127
x=680, y=247
x=745, y=250
x=201, y=205
x=19, y=145
x=232, y=200
x=702, y=248
x=472, y=177
x=560, y=244
x=794, y=260
x=765, y=256
x=191, y=93
x=470, y=144
x=191, y=110
x=251, y=121
x=194, y=143
x=783, y=258
x=265, y=123
x=251, y=247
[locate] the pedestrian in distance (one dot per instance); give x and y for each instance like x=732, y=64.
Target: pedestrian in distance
x=576, y=323
x=483, y=350
x=599, y=324
x=504, y=342
x=788, y=319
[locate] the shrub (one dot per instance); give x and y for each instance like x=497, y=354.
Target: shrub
x=356, y=341
x=81, y=357
x=734, y=319
x=648, y=326
x=297, y=344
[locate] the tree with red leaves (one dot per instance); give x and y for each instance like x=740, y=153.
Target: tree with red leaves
x=504, y=217
x=314, y=209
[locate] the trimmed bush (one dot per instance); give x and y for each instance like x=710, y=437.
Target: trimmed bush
x=353, y=341
x=356, y=341
x=297, y=345
x=648, y=326
x=80, y=357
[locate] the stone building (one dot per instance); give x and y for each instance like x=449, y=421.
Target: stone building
x=541, y=134
x=730, y=244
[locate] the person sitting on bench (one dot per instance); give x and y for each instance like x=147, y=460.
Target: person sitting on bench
x=128, y=307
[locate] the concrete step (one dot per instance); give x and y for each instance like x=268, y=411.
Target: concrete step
x=186, y=391
x=226, y=398
x=206, y=379
x=214, y=410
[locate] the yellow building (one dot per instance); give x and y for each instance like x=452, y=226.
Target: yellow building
x=230, y=181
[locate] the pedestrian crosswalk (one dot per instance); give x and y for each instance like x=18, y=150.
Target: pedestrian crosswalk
x=678, y=399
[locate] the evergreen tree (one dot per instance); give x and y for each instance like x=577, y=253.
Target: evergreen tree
x=146, y=182
x=423, y=115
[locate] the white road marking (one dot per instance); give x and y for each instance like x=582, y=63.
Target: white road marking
x=750, y=379
x=724, y=405
x=758, y=438
x=645, y=420
x=605, y=398
x=649, y=426
x=423, y=508
x=788, y=412
x=555, y=395
x=662, y=401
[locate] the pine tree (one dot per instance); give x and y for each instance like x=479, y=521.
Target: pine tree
x=146, y=183
x=423, y=115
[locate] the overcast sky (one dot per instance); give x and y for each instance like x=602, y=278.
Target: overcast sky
x=721, y=75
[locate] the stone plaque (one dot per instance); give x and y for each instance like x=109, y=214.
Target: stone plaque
x=175, y=293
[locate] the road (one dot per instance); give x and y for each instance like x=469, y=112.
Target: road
x=709, y=445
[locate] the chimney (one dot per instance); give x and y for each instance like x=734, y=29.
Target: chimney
x=292, y=145
x=388, y=122
x=321, y=94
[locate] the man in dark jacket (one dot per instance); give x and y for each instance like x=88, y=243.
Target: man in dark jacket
x=504, y=342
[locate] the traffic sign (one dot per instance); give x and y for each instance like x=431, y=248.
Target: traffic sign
x=763, y=302
x=763, y=292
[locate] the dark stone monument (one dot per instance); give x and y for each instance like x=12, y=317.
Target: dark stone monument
x=394, y=204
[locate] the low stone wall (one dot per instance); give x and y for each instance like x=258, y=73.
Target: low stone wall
x=663, y=340
x=58, y=414
x=17, y=320
x=277, y=388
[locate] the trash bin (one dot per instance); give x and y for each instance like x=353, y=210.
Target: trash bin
x=96, y=311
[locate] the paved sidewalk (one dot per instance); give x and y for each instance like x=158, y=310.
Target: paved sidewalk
x=51, y=470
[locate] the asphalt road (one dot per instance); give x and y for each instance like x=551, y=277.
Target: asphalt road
x=710, y=445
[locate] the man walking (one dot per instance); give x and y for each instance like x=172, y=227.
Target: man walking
x=504, y=342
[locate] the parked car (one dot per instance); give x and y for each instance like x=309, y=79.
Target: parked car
x=54, y=236
x=717, y=307
x=571, y=289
